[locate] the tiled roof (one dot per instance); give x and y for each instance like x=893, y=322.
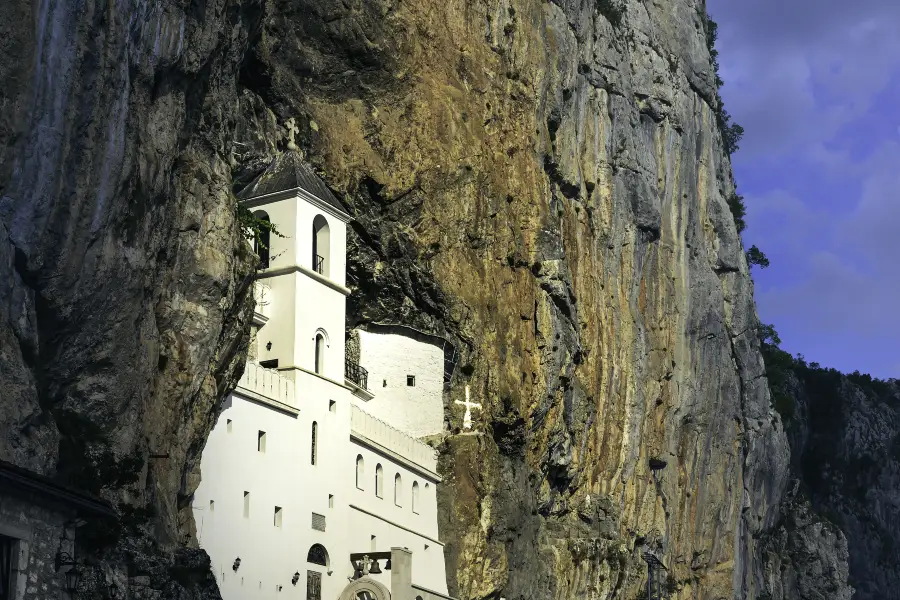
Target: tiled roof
x=288, y=171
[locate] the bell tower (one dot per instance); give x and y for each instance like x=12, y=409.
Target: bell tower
x=303, y=269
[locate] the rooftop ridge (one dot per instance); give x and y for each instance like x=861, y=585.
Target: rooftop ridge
x=289, y=171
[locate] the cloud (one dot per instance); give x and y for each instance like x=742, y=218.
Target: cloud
x=815, y=84
x=834, y=286
x=797, y=72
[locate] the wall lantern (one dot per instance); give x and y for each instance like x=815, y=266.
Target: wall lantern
x=296, y=578
x=73, y=578
x=237, y=564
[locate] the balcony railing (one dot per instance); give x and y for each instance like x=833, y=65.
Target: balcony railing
x=268, y=383
x=364, y=424
x=319, y=265
x=356, y=374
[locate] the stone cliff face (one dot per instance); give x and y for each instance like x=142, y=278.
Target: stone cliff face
x=540, y=183
x=845, y=443
x=124, y=278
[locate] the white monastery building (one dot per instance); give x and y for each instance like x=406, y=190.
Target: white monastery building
x=314, y=478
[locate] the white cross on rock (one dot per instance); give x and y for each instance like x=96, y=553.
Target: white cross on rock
x=467, y=418
x=292, y=129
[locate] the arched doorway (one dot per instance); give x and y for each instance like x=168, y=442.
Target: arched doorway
x=365, y=588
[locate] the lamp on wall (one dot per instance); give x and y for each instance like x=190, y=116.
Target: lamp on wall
x=296, y=578
x=73, y=578
x=237, y=564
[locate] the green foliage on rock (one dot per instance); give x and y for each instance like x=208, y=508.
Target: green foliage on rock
x=756, y=257
x=731, y=132
x=738, y=211
x=252, y=227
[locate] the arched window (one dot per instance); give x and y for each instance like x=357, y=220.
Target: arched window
x=360, y=471
x=315, y=442
x=317, y=555
x=379, y=481
x=321, y=246
x=320, y=353
x=415, y=497
x=398, y=489
x=261, y=240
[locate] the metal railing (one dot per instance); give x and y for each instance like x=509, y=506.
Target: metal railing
x=319, y=265
x=356, y=374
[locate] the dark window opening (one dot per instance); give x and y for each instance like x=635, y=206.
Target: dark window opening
x=269, y=364
x=7, y=546
x=262, y=239
x=411, y=380
x=317, y=555
x=320, y=353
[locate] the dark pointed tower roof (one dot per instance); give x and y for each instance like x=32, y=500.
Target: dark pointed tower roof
x=289, y=171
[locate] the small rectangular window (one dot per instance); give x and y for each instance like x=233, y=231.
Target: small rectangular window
x=318, y=522
x=246, y=505
x=212, y=506
x=332, y=406
x=411, y=380
x=261, y=442
x=228, y=425
x=330, y=500
x=278, y=512
x=373, y=543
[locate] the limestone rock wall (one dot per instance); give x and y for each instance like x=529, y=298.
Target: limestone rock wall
x=845, y=442
x=543, y=184
x=122, y=305
x=539, y=182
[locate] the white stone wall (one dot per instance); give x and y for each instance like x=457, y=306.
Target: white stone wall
x=281, y=476
x=390, y=358
x=428, y=568
x=299, y=304
x=423, y=522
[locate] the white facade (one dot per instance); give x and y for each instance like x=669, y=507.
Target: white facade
x=269, y=491
x=408, y=378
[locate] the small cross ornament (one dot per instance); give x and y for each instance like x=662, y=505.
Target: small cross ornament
x=467, y=417
x=292, y=129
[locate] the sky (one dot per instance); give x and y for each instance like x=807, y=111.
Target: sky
x=816, y=86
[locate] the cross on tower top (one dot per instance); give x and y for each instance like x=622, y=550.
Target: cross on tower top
x=292, y=129
x=467, y=418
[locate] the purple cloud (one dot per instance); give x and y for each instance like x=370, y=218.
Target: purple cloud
x=816, y=84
